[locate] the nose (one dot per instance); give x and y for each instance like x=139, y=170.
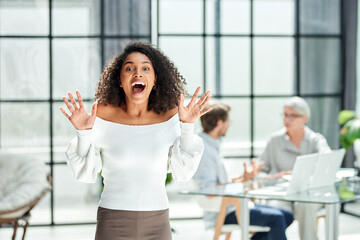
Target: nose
x=286, y=120
x=138, y=73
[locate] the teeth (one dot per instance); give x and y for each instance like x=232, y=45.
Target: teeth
x=141, y=83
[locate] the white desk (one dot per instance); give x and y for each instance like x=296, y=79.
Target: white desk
x=326, y=195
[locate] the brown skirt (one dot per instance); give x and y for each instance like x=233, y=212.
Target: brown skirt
x=132, y=225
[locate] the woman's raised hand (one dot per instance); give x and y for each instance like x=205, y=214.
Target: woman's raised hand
x=79, y=117
x=193, y=110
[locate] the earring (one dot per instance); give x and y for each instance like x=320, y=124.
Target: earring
x=154, y=87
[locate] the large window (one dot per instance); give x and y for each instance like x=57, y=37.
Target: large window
x=47, y=48
x=252, y=54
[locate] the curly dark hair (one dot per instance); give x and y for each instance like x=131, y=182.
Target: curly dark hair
x=169, y=82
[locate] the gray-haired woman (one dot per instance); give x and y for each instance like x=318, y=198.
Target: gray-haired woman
x=284, y=146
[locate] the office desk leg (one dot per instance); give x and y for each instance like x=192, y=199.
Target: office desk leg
x=332, y=221
x=244, y=219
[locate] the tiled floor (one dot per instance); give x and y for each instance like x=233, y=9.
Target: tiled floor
x=184, y=230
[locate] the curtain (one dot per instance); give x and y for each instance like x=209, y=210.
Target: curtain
x=328, y=63
x=350, y=10
x=126, y=21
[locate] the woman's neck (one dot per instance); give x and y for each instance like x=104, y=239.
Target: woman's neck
x=136, y=110
x=296, y=135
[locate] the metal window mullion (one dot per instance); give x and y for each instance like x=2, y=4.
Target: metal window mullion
x=342, y=40
x=178, y=35
x=252, y=117
x=150, y=22
x=102, y=42
x=157, y=22
x=90, y=100
x=130, y=4
x=243, y=35
x=51, y=115
x=204, y=46
x=217, y=48
x=297, y=48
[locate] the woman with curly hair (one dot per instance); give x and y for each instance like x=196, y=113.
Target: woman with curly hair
x=137, y=131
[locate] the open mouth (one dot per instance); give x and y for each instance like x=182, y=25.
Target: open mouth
x=137, y=87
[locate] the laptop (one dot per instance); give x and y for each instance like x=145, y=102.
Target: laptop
x=301, y=173
x=326, y=167
x=309, y=172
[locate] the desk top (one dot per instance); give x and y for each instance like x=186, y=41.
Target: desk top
x=323, y=195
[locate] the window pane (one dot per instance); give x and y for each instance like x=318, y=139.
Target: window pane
x=320, y=16
x=320, y=65
x=234, y=16
x=76, y=65
x=114, y=47
x=181, y=16
x=323, y=119
x=25, y=125
x=237, y=140
x=267, y=119
x=232, y=55
x=63, y=130
x=24, y=65
x=187, y=55
x=74, y=201
x=81, y=17
x=274, y=66
x=235, y=166
x=24, y=17
x=274, y=17
x=127, y=17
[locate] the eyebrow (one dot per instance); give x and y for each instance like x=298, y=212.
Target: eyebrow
x=131, y=62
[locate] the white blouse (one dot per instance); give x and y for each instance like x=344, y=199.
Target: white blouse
x=134, y=160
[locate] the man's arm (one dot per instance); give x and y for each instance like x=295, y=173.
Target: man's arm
x=249, y=173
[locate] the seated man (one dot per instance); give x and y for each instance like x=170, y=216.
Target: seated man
x=284, y=146
x=211, y=172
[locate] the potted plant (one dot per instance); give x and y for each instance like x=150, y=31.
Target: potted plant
x=349, y=135
x=350, y=128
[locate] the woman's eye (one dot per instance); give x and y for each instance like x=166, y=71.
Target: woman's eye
x=129, y=69
x=146, y=68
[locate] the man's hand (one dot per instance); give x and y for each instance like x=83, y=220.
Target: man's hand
x=249, y=173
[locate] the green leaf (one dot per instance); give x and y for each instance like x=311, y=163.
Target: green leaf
x=169, y=178
x=344, y=116
x=349, y=133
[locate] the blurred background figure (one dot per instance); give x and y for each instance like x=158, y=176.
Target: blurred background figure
x=212, y=172
x=295, y=139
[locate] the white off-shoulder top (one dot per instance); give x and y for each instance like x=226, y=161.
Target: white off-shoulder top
x=134, y=160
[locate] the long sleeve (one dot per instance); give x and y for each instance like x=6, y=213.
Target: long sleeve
x=83, y=157
x=321, y=144
x=185, y=154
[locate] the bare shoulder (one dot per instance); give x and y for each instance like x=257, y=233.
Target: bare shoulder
x=153, y=117
x=105, y=111
x=171, y=113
